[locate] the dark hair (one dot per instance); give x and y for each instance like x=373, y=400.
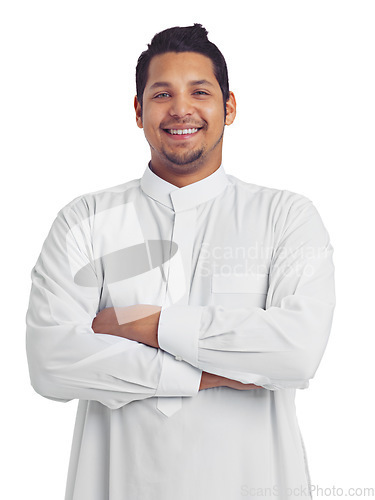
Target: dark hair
x=186, y=39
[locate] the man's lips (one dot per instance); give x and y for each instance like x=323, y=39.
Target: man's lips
x=182, y=134
x=182, y=131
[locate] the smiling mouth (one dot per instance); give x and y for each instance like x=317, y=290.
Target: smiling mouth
x=185, y=131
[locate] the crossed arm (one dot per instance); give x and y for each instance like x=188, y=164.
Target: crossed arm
x=140, y=323
x=116, y=360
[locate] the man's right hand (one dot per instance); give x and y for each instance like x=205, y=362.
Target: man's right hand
x=210, y=380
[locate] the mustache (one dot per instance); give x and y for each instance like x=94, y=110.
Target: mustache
x=185, y=123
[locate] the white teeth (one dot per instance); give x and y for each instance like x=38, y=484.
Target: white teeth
x=184, y=131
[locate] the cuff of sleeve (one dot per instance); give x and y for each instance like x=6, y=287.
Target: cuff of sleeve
x=178, y=378
x=178, y=331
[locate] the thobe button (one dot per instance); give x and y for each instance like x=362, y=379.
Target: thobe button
x=178, y=358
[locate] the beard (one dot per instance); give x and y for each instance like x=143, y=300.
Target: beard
x=192, y=158
x=184, y=158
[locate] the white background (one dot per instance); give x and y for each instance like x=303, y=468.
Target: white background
x=303, y=75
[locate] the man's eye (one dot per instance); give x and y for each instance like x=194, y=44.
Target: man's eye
x=162, y=94
x=200, y=92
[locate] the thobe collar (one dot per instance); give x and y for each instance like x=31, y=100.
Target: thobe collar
x=184, y=198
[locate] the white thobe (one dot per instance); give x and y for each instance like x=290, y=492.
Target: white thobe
x=245, y=278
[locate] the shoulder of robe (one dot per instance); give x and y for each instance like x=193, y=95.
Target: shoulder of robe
x=88, y=204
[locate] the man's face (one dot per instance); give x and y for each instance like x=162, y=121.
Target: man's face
x=183, y=114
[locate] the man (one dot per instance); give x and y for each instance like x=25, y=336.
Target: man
x=183, y=309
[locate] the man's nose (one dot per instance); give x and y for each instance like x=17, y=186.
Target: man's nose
x=181, y=106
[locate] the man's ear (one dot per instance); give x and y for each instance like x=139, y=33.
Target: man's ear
x=231, y=109
x=138, y=112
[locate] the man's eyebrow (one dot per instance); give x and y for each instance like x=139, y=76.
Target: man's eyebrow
x=201, y=82
x=157, y=85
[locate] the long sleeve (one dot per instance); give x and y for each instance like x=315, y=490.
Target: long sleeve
x=67, y=360
x=281, y=345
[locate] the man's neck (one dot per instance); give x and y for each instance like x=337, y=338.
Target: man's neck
x=181, y=179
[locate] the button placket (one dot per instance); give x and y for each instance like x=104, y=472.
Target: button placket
x=183, y=236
